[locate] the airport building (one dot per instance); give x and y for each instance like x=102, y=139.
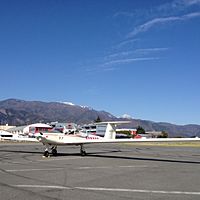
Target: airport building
x=30, y=129
x=64, y=127
x=5, y=134
x=6, y=127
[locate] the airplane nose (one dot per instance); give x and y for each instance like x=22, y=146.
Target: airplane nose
x=39, y=136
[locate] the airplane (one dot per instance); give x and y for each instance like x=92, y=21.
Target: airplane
x=52, y=140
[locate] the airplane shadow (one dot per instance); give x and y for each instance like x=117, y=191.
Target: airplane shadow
x=20, y=151
x=59, y=153
x=78, y=154
x=142, y=158
x=102, y=154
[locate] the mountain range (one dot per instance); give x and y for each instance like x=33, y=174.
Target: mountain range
x=19, y=112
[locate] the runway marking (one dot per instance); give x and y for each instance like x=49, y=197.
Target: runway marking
x=138, y=191
x=114, y=167
x=109, y=189
x=43, y=186
x=83, y=168
x=55, y=159
x=28, y=170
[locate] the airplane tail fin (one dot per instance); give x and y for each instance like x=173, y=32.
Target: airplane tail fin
x=111, y=128
x=110, y=131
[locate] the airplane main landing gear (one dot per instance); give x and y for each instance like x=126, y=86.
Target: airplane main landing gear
x=46, y=154
x=82, y=151
x=48, y=149
x=54, y=151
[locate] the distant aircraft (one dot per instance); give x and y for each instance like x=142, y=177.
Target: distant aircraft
x=52, y=140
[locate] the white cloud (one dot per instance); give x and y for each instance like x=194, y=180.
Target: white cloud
x=149, y=50
x=191, y=2
x=129, y=60
x=126, y=54
x=120, y=54
x=126, y=51
x=157, y=21
x=126, y=42
x=123, y=13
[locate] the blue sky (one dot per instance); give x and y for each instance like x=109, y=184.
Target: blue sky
x=139, y=58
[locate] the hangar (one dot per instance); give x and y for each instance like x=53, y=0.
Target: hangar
x=30, y=129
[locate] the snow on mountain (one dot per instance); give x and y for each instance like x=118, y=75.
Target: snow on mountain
x=72, y=104
x=126, y=116
x=68, y=103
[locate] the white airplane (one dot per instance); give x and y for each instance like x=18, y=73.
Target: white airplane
x=52, y=140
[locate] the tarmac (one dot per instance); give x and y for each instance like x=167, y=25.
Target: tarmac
x=109, y=171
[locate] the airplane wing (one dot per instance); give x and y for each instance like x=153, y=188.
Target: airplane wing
x=80, y=141
x=19, y=139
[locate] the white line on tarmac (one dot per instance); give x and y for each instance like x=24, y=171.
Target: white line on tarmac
x=109, y=189
x=28, y=170
x=83, y=168
x=114, y=167
x=43, y=186
x=55, y=159
x=138, y=191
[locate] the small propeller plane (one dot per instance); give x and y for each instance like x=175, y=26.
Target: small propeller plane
x=52, y=140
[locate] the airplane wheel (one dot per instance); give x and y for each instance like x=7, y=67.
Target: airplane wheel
x=83, y=153
x=46, y=154
x=54, y=152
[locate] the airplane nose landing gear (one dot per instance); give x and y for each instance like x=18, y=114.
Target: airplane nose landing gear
x=46, y=154
x=53, y=151
x=82, y=151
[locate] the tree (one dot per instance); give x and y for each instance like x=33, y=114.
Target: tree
x=140, y=130
x=97, y=120
x=163, y=135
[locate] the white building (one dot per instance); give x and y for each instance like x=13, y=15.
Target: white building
x=30, y=129
x=5, y=134
x=6, y=127
x=64, y=127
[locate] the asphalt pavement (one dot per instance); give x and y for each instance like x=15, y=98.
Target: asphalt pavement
x=109, y=171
